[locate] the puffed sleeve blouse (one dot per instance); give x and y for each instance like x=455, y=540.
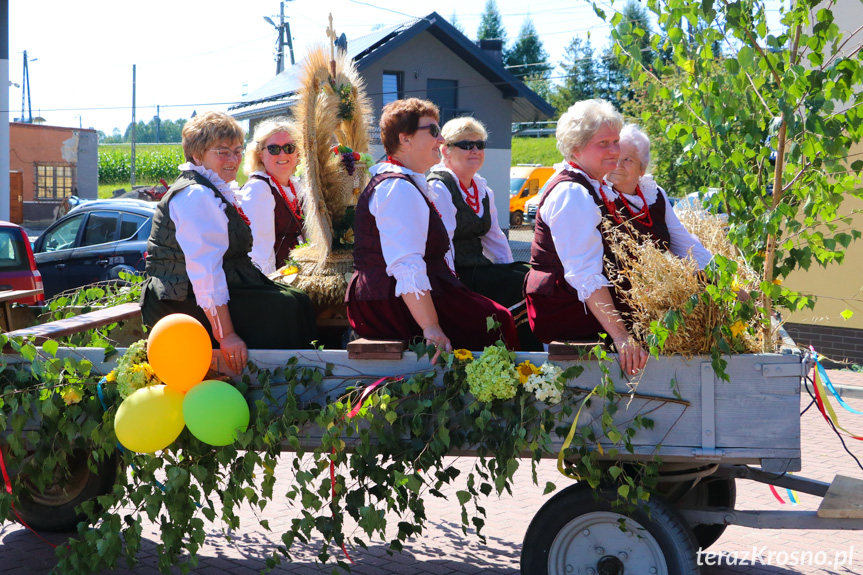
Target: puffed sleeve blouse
x=495, y=245
x=259, y=205
x=402, y=219
x=573, y=218
x=202, y=233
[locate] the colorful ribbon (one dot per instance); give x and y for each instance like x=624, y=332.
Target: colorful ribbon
x=355, y=410
x=819, y=369
x=572, y=429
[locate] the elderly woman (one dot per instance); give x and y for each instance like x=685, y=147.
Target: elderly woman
x=198, y=254
x=568, y=292
x=403, y=286
x=483, y=259
x=270, y=198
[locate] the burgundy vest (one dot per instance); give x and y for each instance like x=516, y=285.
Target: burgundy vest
x=371, y=281
x=547, y=270
x=289, y=228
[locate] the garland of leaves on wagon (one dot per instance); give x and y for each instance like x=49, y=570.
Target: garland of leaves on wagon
x=378, y=472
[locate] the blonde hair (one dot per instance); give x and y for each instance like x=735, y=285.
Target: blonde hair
x=582, y=121
x=207, y=129
x=263, y=132
x=458, y=128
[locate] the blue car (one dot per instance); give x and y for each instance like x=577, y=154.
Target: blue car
x=94, y=242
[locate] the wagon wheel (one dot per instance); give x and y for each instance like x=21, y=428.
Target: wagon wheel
x=54, y=507
x=710, y=492
x=574, y=532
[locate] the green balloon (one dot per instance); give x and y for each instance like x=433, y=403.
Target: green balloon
x=216, y=412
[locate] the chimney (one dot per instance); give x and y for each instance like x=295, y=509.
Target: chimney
x=493, y=48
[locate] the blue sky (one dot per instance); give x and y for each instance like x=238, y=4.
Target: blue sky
x=195, y=55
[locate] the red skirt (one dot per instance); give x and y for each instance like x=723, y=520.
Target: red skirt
x=461, y=313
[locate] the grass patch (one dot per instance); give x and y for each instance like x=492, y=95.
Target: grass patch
x=541, y=151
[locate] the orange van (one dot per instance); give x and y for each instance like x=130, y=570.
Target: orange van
x=525, y=180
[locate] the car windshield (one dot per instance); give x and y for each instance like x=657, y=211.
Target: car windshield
x=515, y=185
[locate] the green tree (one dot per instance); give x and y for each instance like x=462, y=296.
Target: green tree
x=456, y=24
x=614, y=80
x=792, y=95
x=491, y=25
x=580, y=80
x=527, y=56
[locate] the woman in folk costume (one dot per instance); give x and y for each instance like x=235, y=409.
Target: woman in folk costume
x=483, y=258
x=198, y=254
x=271, y=196
x=403, y=286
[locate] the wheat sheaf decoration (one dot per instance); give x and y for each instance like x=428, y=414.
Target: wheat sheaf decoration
x=333, y=112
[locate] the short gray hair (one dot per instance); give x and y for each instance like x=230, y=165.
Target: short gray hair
x=582, y=121
x=632, y=134
x=457, y=128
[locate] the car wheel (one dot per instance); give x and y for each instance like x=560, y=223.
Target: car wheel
x=516, y=218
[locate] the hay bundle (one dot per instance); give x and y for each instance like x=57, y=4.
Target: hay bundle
x=654, y=283
x=332, y=109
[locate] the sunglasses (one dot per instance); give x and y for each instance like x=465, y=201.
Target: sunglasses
x=469, y=144
x=434, y=130
x=225, y=153
x=275, y=149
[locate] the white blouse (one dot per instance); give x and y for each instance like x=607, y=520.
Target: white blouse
x=573, y=217
x=402, y=219
x=259, y=205
x=202, y=233
x=495, y=245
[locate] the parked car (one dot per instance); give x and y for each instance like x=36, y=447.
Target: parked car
x=524, y=183
x=94, y=242
x=18, y=269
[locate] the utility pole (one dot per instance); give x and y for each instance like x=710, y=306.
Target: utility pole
x=134, y=125
x=284, y=37
x=5, y=187
x=25, y=93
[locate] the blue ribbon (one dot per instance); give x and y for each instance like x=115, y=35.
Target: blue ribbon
x=823, y=373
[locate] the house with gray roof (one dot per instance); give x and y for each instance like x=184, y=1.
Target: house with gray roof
x=427, y=58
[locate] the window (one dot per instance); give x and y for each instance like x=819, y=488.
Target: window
x=54, y=182
x=63, y=236
x=132, y=227
x=444, y=93
x=12, y=255
x=393, y=88
x=101, y=228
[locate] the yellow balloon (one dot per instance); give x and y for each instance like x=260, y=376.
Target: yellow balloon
x=150, y=419
x=179, y=351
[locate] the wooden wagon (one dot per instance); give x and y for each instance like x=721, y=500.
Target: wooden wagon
x=709, y=434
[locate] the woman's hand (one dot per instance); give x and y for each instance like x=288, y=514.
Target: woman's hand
x=234, y=351
x=632, y=357
x=435, y=336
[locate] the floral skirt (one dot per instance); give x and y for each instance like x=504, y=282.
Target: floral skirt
x=461, y=313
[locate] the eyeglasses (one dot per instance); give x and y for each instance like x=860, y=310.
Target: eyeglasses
x=469, y=144
x=275, y=149
x=225, y=153
x=434, y=130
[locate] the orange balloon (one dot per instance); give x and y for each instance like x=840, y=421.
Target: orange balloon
x=179, y=351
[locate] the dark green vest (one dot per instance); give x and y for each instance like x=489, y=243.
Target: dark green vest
x=166, y=264
x=469, y=229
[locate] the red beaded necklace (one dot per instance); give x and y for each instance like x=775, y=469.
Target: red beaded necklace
x=243, y=215
x=643, y=214
x=395, y=162
x=293, y=205
x=472, y=198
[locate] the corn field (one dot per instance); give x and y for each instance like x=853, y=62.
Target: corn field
x=151, y=163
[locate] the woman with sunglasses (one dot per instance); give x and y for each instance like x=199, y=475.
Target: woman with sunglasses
x=271, y=196
x=483, y=258
x=198, y=254
x=403, y=286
